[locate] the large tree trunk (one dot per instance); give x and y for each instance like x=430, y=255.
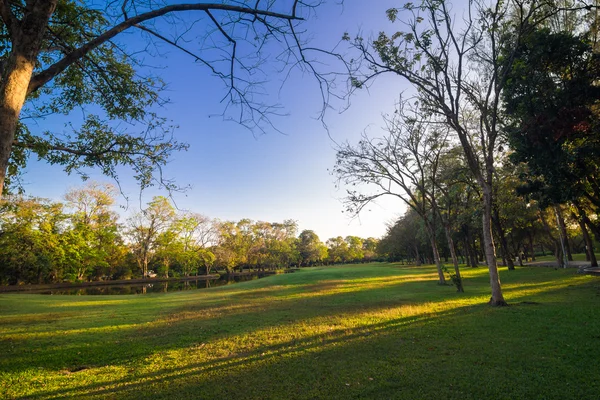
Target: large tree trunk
x=497, y=298
x=26, y=35
x=458, y=280
x=13, y=89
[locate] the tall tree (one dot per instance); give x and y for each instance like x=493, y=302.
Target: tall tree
x=459, y=68
x=552, y=100
x=402, y=164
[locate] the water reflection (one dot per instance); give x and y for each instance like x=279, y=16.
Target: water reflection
x=154, y=287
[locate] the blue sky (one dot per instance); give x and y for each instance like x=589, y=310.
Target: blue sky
x=271, y=177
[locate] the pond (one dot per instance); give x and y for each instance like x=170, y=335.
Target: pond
x=151, y=287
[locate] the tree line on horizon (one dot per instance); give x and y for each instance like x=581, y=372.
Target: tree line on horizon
x=81, y=239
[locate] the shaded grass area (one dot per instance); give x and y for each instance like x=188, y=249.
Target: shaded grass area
x=360, y=331
x=576, y=257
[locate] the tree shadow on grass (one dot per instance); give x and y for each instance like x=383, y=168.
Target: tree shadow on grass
x=442, y=355
x=266, y=355
x=196, y=323
x=277, y=309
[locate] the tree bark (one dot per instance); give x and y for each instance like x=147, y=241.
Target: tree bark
x=589, y=245
x=436, y=254
x=458, y=280
x=497, y=298
x=417, y=256
x=557, y=251
x=26, y=37
x=563, y=230
x=503, y=243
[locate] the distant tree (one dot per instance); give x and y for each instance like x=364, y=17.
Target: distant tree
x=337, y=250
x=369, y=248
x=312, y=250
x=32, y=248
x=145, y=227
x=405, y=239
x=95, y=231
x=355, y=248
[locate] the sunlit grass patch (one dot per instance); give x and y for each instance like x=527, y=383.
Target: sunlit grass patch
x=359, y=331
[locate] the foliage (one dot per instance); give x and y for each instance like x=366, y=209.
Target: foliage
x=60, y=56
x=551, y=99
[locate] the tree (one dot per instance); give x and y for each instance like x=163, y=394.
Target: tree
x=355, y=248
x=552, y=99
x=402, y=164
x=459, y=68
x=312, y=250
x=145, y=227
x=58, y=55
x=337, y=250
x=370, y=249
x=404, y=239
x=32, y=248
x=95, y=230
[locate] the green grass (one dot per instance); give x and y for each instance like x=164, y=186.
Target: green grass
x=377, y=331
x=576, y=257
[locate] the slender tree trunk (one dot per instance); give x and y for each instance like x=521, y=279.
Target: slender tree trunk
x=467, y=252
x=557, y=251
x=436, y=254
x=497, y=298
x=593, y=227
x=481, y=250
x=563, y=229
x=589, y=245
x=472, y=249
x=458, y=280
x=531, y=248
x=417, y=256
x=506, y=256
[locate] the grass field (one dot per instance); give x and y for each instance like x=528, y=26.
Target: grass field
x=376, y=331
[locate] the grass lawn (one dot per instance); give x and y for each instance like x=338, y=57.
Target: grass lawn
x=375, y=331
x=576, y=257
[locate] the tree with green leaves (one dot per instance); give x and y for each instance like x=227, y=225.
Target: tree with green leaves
x=94, y=229
x=57, y=56
x=144, y=229
x=552, y=100
x=458, y=64
x=337, y=250
x=312, y=250
x=33, y=248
